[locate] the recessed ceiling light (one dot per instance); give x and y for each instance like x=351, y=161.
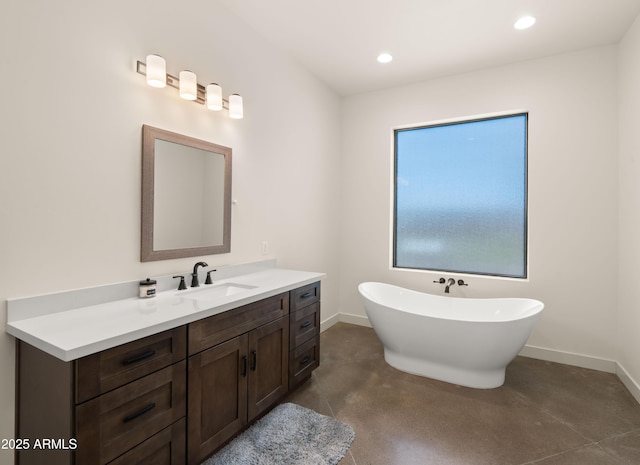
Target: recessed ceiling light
x=384, y=58
x=525, y=22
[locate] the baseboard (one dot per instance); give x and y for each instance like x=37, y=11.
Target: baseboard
x=344, y=318
x=568, y=358
x=329, y=322
x=628, y=381
x=355, y=319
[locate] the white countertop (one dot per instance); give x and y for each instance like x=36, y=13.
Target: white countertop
x=78, y=332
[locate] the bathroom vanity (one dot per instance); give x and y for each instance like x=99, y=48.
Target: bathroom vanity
x=176, y=390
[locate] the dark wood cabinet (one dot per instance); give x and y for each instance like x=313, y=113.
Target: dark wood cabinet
x=217, y=406
x=109, y=403
x=268, y=371
x=113, y=423
x=234, y=381
x=304, y=333
x=171, y=398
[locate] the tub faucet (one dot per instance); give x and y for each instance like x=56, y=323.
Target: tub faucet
x=194, y=275
x=450, y=282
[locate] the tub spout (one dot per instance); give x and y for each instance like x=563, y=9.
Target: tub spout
x=450, y=282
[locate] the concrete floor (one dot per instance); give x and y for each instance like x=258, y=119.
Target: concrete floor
x=545, y=413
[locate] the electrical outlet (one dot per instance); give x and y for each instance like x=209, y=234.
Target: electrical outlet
x=265, y=248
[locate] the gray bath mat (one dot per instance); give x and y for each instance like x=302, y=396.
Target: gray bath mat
x=288, y=435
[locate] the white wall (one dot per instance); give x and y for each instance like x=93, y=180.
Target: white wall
x=573, y=174
x=70, y=165
x=70, y=147
x=629, y=206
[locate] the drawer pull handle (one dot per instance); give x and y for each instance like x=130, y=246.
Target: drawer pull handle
x=254, y=360
x=306, y=324
x=140, y=412
x=305, y=360
x=306, y=295
x=139, y=358
x=244, y=366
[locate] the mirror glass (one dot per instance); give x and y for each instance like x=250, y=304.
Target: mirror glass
x=186, y=196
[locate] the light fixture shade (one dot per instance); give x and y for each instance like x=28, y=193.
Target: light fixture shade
x=188, y=85
x=214, y=97
x=156, y=71
x=235, y=106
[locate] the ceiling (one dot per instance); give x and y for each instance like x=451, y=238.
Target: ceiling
x=339, y=40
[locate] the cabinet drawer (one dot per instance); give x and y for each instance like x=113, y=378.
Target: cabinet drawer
x=304, y=325
x=119, y=420
x=164, y=448
x=110, y=369
x=227, y=325
x=304, y=296
x=303, y=360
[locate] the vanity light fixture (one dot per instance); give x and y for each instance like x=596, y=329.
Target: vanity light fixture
x=156, y=71
x=211, y=96
x=235, y=106
x=214, y=97
x=188, y=85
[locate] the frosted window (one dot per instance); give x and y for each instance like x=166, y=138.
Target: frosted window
x=461, y=197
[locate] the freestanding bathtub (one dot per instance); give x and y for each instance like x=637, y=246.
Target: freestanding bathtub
x=463, y=341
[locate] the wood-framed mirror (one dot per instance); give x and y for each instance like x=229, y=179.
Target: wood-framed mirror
x=186, y=196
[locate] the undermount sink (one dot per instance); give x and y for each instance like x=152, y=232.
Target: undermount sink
x=209, y=292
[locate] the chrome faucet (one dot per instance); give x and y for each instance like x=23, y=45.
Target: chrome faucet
x=194, y=275
x=450, y=282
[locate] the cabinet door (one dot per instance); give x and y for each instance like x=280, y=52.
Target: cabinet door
x=217, y=401
x=269, y=366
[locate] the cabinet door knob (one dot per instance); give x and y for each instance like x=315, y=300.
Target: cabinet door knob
x=305, y=360
x=254, y=360
x=306, y=295
x=305, y=324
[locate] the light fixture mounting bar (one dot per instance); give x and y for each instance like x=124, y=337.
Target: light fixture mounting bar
x=172, y=81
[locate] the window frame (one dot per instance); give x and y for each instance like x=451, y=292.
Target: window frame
x=393, y=201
